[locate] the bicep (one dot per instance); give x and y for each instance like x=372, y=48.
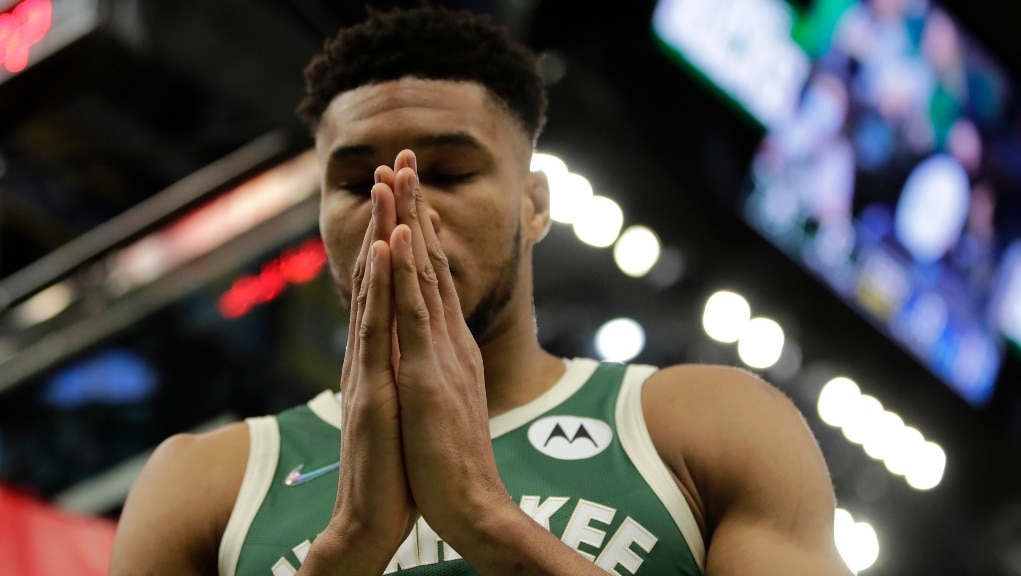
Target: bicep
x=774, y=509
x=170, y=520
x=763, y=484
x=748, y=547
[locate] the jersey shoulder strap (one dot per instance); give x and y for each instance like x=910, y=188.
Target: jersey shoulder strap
x=263, y=452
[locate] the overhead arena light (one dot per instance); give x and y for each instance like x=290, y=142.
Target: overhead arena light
x=620, y=340
x=636, y=251
x=598, y=222
x=725, y=317
x=857, y=542
x=761, y=343
x=882, y=434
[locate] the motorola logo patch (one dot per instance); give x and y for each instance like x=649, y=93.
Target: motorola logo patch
x=570, y=437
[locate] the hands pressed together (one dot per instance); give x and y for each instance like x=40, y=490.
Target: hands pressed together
x=415, y=433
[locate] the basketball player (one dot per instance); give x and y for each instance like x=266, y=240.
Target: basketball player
x=463, y=446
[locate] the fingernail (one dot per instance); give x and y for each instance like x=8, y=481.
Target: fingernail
x=372, y=255
x=414, y=180
x=414, y=162
x=372, y=193
x=376, y=176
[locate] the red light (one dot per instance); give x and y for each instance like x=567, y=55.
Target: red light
x=301, y=264
x=295, y=266
x=22, y=28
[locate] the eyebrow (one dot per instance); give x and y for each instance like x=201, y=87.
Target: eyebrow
x=360, y=151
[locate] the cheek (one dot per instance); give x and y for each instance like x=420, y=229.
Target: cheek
x=343, y=226
x=487, y=234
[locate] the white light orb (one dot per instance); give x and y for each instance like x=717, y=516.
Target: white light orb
x=569, y=195
x=857, y=542
x=927, y=469
x=620, y=340
x=865, y=414
x=547, y=163
x=636, y=251
x=877, y=440
x=726, y=316
x=761, y=343
x=598, y=222
x=836, y=399
x=865, y=547
x=903, y=450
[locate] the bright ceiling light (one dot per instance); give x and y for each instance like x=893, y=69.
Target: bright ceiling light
x=903, y=449
x=877, y=442
x=636, y=251
x=857, y=542
x=836, y=399
x=725, y=317
x=620, y=340
x=761, y=343
x=927, y=469
x=44, y=305
x=865, y=413
x=598, y=222
x=569, y=194
x=547, y=163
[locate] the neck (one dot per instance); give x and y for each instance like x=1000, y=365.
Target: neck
x=517, y=369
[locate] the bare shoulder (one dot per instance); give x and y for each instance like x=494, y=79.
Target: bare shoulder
x=710, y=384
x=715, y=401
x=179, y=505
x=734, y=438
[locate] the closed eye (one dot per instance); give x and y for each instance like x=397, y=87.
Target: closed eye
x=447, y=179
x=359, y=188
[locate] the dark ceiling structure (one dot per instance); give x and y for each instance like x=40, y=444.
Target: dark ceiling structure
x=148, y=94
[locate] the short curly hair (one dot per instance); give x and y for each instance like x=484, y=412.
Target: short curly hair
x=429, y=42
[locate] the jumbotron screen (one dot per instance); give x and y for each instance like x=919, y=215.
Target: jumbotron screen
x=895, y=179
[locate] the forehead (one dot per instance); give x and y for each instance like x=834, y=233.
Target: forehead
x=393, y=115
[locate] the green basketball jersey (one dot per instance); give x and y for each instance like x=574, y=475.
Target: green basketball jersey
x=578, y=459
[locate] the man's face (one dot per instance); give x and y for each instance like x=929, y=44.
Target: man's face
x=472, y=163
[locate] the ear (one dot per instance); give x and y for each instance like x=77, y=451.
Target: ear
x=535, y=217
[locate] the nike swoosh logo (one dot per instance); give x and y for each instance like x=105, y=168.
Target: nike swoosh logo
x=296, y=478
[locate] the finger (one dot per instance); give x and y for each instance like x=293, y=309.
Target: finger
x=384, y=174
x=434, y=249
x=357, y=274
x=377, y=318
x=438, y=258
x=406, y=159
x=414, y=329
x=407, y=188
x=381, y=222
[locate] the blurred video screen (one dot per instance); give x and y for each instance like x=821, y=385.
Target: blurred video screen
x=741, y=49
x=896, y=181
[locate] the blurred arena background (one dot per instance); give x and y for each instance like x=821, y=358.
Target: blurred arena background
x=825, y=192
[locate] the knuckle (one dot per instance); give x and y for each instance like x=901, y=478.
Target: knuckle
x=419, y=312
x=427, y=276
x=366, y=331
x=358, y=273
x=361, y=298
x=409, y=265
x=437, y=255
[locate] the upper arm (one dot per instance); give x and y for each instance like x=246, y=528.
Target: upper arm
x=174, y=516
x=766, y=496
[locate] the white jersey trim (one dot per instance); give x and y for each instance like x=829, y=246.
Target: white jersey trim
x=263, y=452
x=637, y=443
x=326, y=404
x=579, y=370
